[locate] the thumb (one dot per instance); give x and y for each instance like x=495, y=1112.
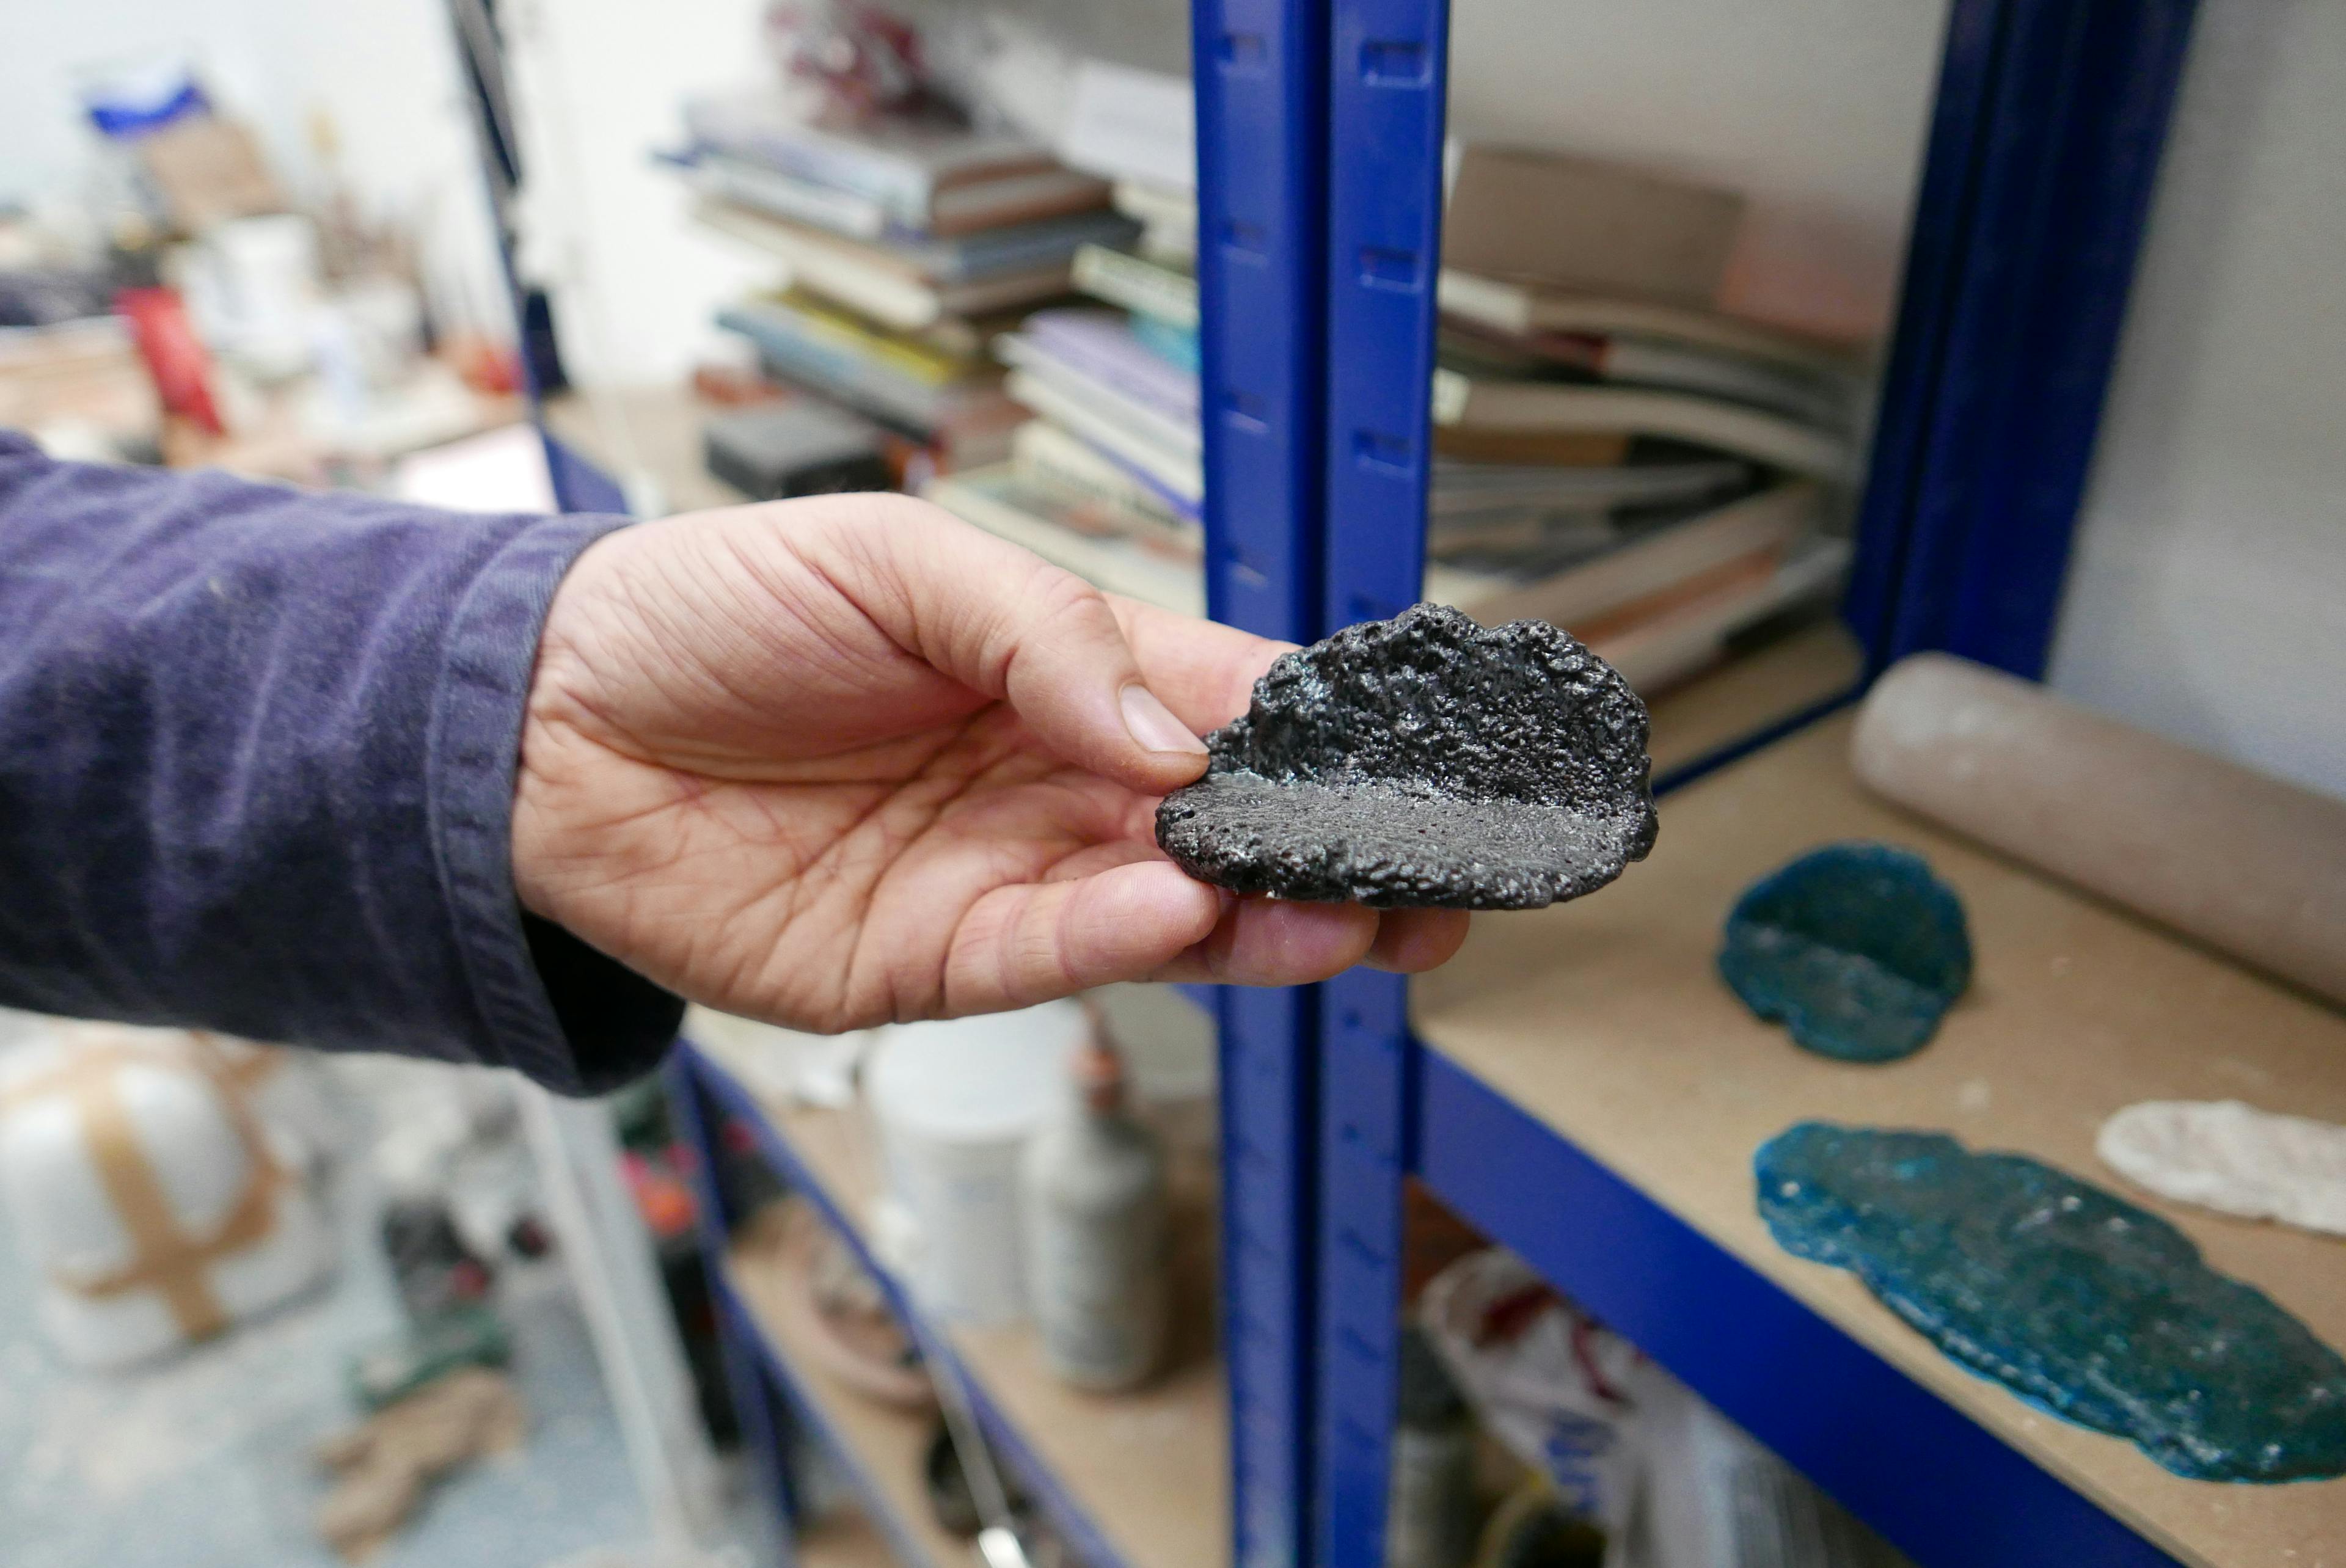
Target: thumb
x=1009, y=624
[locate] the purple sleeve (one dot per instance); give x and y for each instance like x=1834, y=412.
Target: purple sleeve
x=257, y=753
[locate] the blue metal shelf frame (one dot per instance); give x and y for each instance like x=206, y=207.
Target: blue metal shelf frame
x=2038, y=169
x=1260, y=72
x=1938, y=1485
x=746, y=1378
x=715, y=1097
x=2044, y=153
x=1387, y=81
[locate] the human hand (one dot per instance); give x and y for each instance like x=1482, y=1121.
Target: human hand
x=842, y=761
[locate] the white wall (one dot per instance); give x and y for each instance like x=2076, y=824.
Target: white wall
x=599, y=86
x=383, y=70
x=2208, y=596
x=1816, y=110
x=600, y=83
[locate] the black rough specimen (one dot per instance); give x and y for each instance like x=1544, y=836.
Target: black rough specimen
x=1424, y=762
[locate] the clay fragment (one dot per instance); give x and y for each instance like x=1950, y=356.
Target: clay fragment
x=1423, y=761
x=2080, y=1302
x=1856, y=949
x=2233, y=1158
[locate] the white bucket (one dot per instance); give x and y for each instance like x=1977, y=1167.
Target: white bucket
x=956, y=1103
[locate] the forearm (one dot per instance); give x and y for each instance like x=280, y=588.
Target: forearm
x=255, y=771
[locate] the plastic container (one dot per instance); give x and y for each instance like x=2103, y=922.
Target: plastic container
x=956, y=1103
x=1093, y=1185
x=1430, y=1516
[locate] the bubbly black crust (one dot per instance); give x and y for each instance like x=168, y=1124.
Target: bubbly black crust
x=1423, y=761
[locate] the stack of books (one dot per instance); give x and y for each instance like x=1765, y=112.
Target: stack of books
x=1612, y=453
x=1656, y=476
x=1106, y=477
x=905, y=244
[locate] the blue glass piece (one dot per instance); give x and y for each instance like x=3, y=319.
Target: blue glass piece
x=1857, y=948
x=2081, y=1303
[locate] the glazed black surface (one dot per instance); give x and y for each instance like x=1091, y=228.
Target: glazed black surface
x=1423, y=761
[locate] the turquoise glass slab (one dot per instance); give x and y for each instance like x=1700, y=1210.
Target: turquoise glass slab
x=1857, y=948
x=2081, y=1303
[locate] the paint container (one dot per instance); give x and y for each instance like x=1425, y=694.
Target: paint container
x=1430, y=1508
x=956, y=1103
x=1095, y=1221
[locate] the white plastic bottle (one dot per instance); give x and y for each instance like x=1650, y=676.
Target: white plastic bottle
x=1093, y=1182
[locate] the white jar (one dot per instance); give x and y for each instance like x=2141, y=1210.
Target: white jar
x=956, y=1103
x=1093, y=1186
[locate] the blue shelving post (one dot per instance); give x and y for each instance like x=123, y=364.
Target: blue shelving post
x=698, y=1127
x=1261, y=70
x=1385, y=113
x=2040, y=158
x=2043, y=157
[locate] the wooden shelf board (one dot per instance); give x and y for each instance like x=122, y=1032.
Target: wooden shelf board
x=845, y=1541
x=1752, y=691
x=1150, y=1467
x=664, y=423
x=1604, y=1020
x=886, y=1446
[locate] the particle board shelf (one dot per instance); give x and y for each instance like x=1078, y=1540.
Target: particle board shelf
x=1753, y=692
x=1148, y=1469
x=846, y=1541
x=882, y=1448
x=1604, y=1022
x=662, y=425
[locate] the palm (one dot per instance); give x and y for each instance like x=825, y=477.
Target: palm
x=749, y=772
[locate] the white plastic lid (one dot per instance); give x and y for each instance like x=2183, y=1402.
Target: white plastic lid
x=976, y=1080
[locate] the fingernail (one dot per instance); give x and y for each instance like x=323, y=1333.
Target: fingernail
x=1152, y=725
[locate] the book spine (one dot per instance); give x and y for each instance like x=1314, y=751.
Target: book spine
x=914, y=360
x=1116, y=566
x=1117, y=363
x=841, y=372
x=765, y=190
x=1638, y=362
x=1042, y=452
x=1180, y=472
x=902, y=302
x=1177, y=346
x=1138, y=285
x=1019, y=248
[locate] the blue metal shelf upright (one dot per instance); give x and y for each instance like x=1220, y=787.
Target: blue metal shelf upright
x=1260, y=71
x=2042, y=151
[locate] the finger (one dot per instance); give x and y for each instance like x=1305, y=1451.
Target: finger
x=1410, y=941
x=1205, y=671
x=1009, y=624
x=1094, y=858
x=1266, y=942
x=1021, y=945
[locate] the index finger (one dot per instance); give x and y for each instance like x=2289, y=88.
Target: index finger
x=1204, y=671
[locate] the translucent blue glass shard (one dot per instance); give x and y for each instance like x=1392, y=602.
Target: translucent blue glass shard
x=2081, y=1303
x=1856, y=949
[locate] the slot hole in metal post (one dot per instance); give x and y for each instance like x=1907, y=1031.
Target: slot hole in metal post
x=1396, y=269
x=1394, y=455
x=1395, y=63
x=1241, y=52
